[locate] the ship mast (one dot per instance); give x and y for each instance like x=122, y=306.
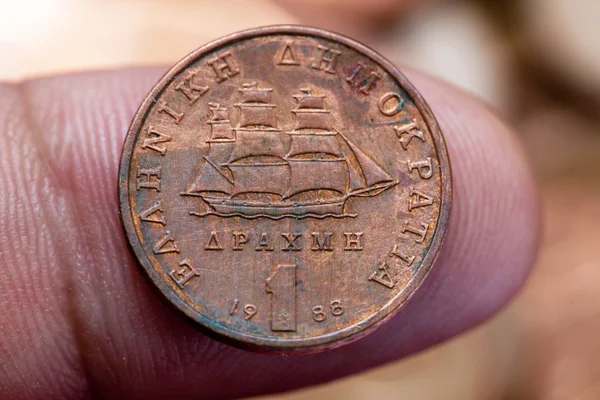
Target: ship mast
x=311, y=114
x=315, y=151
x=220, y=125
x=257, y=160
x=222, y=135
x=313, y=133
x=213, y=178
x=256, y=169
x=256, y=131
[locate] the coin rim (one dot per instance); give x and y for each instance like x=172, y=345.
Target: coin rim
x=332, y=339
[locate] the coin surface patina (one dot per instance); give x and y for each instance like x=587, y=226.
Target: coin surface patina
x=285, y=187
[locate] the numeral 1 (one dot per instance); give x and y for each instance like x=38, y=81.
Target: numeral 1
x=282, y=287
x=250, y=310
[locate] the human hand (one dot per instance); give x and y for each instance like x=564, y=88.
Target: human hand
x=78, y=319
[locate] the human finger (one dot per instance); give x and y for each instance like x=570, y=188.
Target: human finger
x=78, y=317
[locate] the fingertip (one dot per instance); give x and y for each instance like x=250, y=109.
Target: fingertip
x=494, y=226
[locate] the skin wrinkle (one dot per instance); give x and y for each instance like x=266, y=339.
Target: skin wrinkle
x=6, y=254
x=108, y=305
x=22, y=255
x=87, y=156
x=43, y=156
x=74, y=261
x=134, y=346
x=13, y=255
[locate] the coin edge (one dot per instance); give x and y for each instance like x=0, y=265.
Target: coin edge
x=317, y=343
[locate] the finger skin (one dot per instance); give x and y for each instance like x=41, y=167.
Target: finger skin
x=78, y=319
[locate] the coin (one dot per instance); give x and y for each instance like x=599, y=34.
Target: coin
x=286, y=188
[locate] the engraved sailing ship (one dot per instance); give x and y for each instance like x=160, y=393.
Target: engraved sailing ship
x=257, y=170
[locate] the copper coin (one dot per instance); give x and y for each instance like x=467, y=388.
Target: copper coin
x=286, y=188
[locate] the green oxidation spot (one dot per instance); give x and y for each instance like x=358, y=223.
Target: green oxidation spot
x=367, y=83
x=405, y=98
x=254, y=330
x=424, y=252
x=383, y=123
x=213, y=323
x=400, y=105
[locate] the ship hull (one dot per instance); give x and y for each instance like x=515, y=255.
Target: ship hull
x=239, y=208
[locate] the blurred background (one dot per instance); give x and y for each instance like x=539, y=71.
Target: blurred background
x=536, y=61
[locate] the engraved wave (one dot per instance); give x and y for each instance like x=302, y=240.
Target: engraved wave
x=274, y=217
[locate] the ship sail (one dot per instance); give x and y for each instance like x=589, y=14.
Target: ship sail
x=260, y=178
x=219, y=112
x=251, y=93
x=222, y=132
x=220, y=126
x=258, y=142
x=312, y=132
x=318, y=175
x=313, y=119
x=311, y=112
x=306, y=100
x=356, y=180
x=211, y=179
x=220, y=152
x=312, y=136
x=255, y=108
x=311, y=143
x=257, y=134
x=257, y=115
x=373, y=174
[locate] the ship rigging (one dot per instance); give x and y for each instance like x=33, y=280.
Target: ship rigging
x=257, y=170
